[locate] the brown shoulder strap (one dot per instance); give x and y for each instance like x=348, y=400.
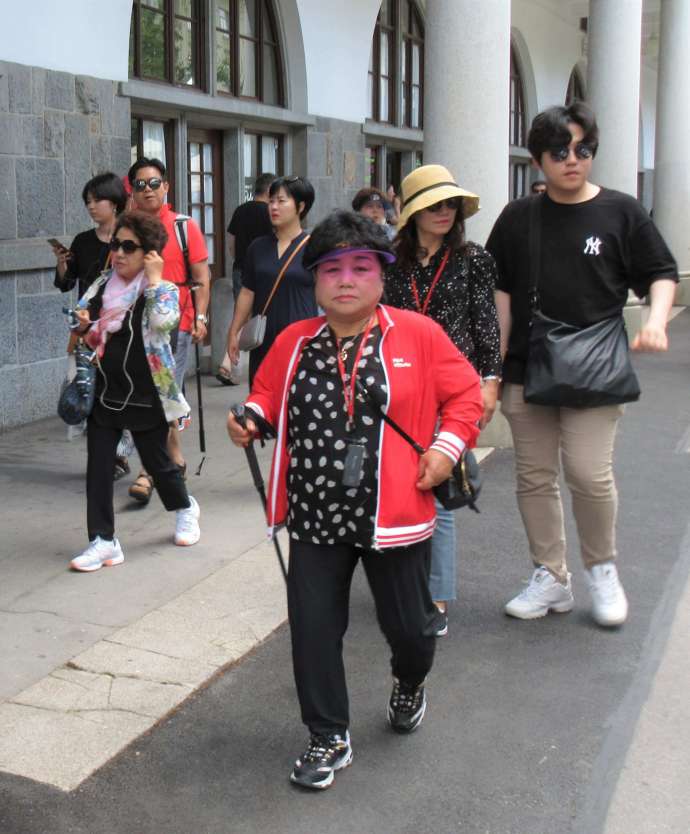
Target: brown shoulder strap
x=283, y=271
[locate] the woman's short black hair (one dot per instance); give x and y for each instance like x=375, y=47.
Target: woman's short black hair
x=550, y=128
x=299, y=188
x=149, y=230
x=345, y=230
x=145, y=162
x=106, y=186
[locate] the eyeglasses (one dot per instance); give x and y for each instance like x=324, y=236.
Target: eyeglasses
x=129, y=247
x=581, y=150
x=154, y=183
x=454, y=204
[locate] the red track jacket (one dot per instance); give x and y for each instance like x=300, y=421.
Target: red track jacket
x=427, y=379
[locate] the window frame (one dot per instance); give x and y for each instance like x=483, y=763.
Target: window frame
x=393, y=30
x=198, y=44
x=409, y=40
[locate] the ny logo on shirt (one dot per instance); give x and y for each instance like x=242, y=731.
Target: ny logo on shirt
x=592, y=245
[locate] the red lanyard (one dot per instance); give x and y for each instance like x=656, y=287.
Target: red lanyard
x=349, y=390
x=422, y=309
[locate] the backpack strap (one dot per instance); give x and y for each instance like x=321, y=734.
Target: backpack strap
x=182, y=238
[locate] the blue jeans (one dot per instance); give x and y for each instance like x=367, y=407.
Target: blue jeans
x=443, y=573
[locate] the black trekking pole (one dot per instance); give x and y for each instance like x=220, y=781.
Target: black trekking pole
x=199, y=401
x=255, y=469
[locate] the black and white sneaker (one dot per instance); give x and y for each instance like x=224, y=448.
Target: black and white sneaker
x=406, y=706
x=316, y=767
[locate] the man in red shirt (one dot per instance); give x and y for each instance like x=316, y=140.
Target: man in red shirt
x=149, y=189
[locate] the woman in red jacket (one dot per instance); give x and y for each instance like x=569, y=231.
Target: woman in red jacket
x=347, y=486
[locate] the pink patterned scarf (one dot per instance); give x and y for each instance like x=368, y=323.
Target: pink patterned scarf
x=119, y=296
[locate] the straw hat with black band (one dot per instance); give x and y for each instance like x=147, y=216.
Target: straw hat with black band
x=430, y=184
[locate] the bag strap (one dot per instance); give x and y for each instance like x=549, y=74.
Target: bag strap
x=283, y=271
x=181, y=235
x=389, y=420
x=534, y=242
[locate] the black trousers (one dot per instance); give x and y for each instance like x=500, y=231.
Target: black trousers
x=319, y=582
x=153, y=450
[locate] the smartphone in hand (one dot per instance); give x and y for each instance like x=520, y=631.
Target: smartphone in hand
x=55, y=243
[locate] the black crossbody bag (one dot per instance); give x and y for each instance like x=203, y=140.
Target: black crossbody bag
x=570, y=366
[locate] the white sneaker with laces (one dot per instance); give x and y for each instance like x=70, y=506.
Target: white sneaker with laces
x=187, y=530
x=609, y=603
x=543, y=594
x=100, y=553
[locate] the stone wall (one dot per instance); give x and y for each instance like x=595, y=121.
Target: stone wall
x=57, y=130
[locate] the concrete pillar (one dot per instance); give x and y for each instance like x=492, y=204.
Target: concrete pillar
x=614, y=34
x=671, y=169
x=466, y=104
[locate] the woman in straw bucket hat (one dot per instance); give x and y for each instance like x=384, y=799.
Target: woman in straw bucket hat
x=441, y=275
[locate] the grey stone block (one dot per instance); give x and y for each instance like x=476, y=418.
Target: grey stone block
x=120, y=155
x=317, y=155
x=77, y=170
x=38, y=90
x=29, y=283
x=54, y=133
x=10, y=134
x=8, y=201
x=34, y=389
x=100, y=154
x=41, y=330
x=4, y=91
x=87, y=94
x=106, y=91
x=40, y=198
x=122, y=118
x=19, y=86
x=323, y=124
x=59, y=90
x=32, y=135
x=8, y=319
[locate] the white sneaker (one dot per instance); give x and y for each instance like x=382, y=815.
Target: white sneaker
x=609, y=603
x=543, y=594
x=187, y=530
x=99, y=553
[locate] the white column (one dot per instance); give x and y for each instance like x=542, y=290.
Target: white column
x=614, y=34
x=671, y=169
x=466, y=105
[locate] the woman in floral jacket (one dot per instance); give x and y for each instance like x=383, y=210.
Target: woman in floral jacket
x=126, y=317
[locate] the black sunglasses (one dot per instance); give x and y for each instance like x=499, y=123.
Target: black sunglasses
x=154, y=183
x=455, y=203
x=582, y=151
x=129, y=247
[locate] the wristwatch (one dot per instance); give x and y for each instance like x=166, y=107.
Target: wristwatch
x=203, y=318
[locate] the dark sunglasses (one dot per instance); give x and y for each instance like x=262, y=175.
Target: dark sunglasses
x=154, y=183
x=129, y=247
x=582, y=151
x=454, y=203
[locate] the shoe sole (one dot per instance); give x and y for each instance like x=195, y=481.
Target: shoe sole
x=442, y=632
x=403, y=731
x=325, y=783
x=187, y=543
x=109, y=563
x=140, y=497
x=559, y=608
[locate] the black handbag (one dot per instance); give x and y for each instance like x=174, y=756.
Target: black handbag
x=465, y=483
x=77, y=397
x=569, y=366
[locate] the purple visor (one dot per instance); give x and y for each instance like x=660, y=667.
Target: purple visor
x=388, y=257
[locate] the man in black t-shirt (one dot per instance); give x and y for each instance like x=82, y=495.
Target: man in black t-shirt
x=249, y=221
x=596, y=245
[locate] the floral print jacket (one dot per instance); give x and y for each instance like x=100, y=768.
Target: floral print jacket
x=160, y=317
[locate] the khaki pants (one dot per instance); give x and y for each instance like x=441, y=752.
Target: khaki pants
x=581, y=441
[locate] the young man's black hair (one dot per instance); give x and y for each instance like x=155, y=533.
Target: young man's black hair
x=145, y=162
x=550, y=129
x=345, y=230
x=299, y=188
x=106, y=186
x=263, y=183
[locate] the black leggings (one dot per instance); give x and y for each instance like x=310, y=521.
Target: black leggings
x=319, y=582
x=152, y=445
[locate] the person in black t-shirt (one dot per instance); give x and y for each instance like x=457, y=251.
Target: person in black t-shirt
x=596, y=245
x=249, y=221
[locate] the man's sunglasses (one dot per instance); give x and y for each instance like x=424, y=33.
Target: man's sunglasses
x=129, y=247
x=455, y=203
x=154, y=183
x=582, y=151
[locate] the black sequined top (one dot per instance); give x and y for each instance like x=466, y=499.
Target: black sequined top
x=462, y=302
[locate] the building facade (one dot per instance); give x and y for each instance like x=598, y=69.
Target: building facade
x=345, y=94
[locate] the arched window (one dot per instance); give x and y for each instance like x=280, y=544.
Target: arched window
x=165, y=42
x=395, y=91
x=576, y=88
x=519, y=157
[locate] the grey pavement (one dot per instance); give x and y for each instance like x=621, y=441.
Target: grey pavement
x=533, y=727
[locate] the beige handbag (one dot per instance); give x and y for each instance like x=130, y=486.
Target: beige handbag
x=252, y=333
